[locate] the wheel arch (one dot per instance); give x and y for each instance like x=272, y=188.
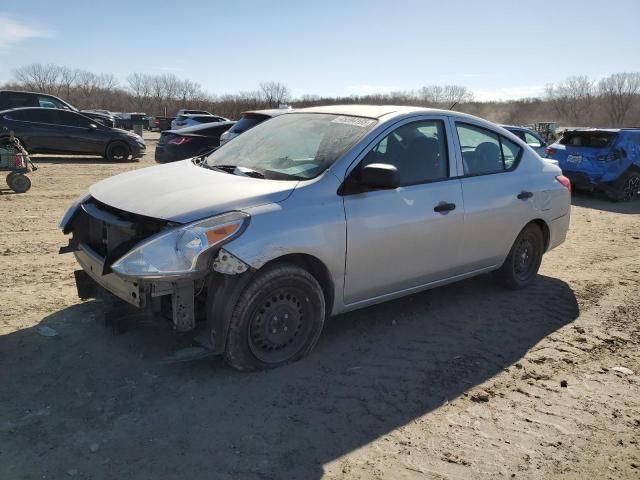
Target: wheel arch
x=546, y=233
x=316, y=268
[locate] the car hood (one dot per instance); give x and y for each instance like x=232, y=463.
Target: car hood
x=184, y=192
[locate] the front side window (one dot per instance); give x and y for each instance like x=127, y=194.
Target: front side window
x=295, y=146
x=485, y=152
x=418, y=150
x=73, y=119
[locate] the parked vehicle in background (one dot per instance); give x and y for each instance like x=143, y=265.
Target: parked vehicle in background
x=191, y=120
x=160, y=123
x=314, y=213
x=547, y=130
x=51, y=130
x=16, y=99
x=192, y=112
x=249, y=120
x=189, y=142
x=529, y=137
x=602, y=159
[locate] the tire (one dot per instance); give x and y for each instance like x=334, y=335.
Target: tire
x=626, y=188
x=277, y=319
x=18, y=182
x=520, y=269
x=117, y=152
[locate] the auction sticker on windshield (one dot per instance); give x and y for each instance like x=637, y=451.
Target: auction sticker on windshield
x=355, y=121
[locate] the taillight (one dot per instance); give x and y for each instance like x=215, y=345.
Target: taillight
x=549, y=151
x=180, y=140
x=157, y=122
x=564, y=181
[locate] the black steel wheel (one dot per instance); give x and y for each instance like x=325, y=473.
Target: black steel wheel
x=631, y=186
x=18, y=182
x=521, y=266
x=277, y=319
x=118, y=152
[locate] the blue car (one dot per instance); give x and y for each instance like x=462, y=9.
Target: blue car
x=601, y=159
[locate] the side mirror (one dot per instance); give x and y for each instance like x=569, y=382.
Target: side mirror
x=92, y=127
x=382, y=176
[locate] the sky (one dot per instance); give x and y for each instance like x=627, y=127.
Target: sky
x=499, y=49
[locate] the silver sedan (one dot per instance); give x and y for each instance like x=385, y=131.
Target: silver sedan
x=314, y=213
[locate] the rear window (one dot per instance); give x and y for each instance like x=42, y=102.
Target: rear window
x=206, y=119
x=248, y=121
x=588, y=139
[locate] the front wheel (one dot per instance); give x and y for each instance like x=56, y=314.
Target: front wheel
x=277, y=319
x=520, y=269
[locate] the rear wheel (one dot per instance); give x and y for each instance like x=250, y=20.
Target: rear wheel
x=627, y=188
x=520, y=269
x=277, y=319
x=18, y=182
x=118, y=152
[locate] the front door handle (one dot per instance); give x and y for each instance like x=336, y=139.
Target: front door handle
x=444, y=207
x=524, y=195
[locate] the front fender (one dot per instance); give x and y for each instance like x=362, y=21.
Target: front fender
x=311, y=222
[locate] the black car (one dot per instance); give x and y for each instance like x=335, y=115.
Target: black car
x=17, y=99
x=51, y=130
x=190, y=142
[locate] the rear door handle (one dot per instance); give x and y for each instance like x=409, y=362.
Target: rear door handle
x=524, y=195
x=444, y=207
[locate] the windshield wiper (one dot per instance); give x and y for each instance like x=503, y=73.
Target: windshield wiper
x=238, y=170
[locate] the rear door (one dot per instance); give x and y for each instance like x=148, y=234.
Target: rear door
x=400, y=239
x=497, y=200
x=38, y=128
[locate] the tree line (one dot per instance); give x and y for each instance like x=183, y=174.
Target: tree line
x=612, y=101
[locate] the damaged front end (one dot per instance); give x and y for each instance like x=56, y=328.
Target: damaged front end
x=153, y=264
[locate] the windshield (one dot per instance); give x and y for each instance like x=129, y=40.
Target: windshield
x=291, y=146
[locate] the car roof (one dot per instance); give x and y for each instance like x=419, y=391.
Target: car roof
x=388, y=112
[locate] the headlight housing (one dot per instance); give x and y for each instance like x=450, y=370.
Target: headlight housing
x=181, y=251
x=68, y=215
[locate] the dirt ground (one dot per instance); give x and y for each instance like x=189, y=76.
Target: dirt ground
x=464, y=381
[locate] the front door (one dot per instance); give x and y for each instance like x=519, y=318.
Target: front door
x=403, y=238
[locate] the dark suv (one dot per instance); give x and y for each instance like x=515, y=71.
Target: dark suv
x=51, y=130
x=16, y=99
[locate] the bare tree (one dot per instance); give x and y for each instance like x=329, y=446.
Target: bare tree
x=619, y=91
x=67, y=81
x=444, y=94
x=573, y=99
x=274, y=93
x=140, y=88
x=38, y=76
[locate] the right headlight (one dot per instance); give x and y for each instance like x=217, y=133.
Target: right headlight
x=181, y=251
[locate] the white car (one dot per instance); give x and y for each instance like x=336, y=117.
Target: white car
x=314, y=213
x=191, y=120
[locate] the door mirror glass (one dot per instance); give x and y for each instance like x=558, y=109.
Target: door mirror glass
x=381, y=176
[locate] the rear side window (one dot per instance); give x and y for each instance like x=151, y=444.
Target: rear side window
x=247, y=122
x=50, y=102
x=215, y=131
x=35, y=115
x=206, y=119
x=16, y=100
x=485, y=152
x=588, y=139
